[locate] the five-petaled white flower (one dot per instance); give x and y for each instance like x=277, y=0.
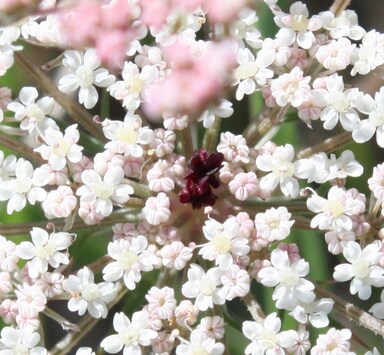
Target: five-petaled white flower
x=85, y=74
x=45, y=249
x=131, y=334
x=88, y=296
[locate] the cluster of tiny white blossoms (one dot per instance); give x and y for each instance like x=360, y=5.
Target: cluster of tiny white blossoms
x=202, y=228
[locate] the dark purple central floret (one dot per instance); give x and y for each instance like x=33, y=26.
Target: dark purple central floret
x=200, y=179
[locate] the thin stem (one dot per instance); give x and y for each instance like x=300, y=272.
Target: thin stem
x=254, y=308
x=264, y=122
x=186, y=138
x=21, y=149
x=339, y=6
x=65, y=345
x=211, y=135
x=298, y=206
x=122, y=216
x=327, y=146
x=77, y=112
x=352, y=312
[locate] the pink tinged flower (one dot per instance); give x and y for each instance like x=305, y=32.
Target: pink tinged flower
x=266, y=337
x=224, y=243
x=51, y=283
x=130, y=259
x=176, y=255
x=131, y=334
x=85, y=74
x=213, y=327
x=200, y=343
x=297, y=26
x=362, y=269
x=234, y=148
x=88, y=296
x=291, y=88
x=104, y=191
x=376, y=182
x=236, y=282
x=338, y=240
x=127, y=137
x=45, y=249
x=5, y=282
x=244, y=185
x=160, y=177
x=203, y=287
x=335, y=212
x=8, y=256
x=164, y=142
x=334, y=341
x=288, y=278
x=32, y=298
x=336, y=55
x=59, y=203
x=274, y=224
x=59, y=147
x=161, y=302
x=26, y=185
x=186, y=313
x=8, y=311
x=21, y=341
x=156, y=210
x=281, y=169
x=87, y=211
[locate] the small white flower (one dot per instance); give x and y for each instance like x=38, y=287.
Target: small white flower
x=20, y=341
x=265, y=336
x=88, y=296
x=131, y=257
x=288, y=278
x=85, y=75
x=127, y=137
x=224, y=242
x=223, y=109
x=103, y=192
x=274, y=224
x=334, y=213
x=59, y=147
x=131, y=89
x=200, y=343
x=26, y=185
x=281, y=170
x=362, y=269
x=131, y=334
x=33, y=114
x=45, y=250
x=203, y=287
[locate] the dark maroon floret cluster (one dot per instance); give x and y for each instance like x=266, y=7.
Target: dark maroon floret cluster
x=200, y=179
